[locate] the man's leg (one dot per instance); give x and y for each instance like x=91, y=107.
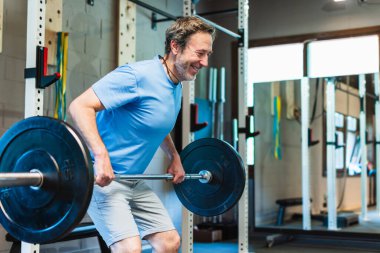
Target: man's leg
x=153, y=220
x=127, y=245
x=164, y=242
x=111, y=213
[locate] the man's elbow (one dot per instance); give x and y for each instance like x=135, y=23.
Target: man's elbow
x=73, y=107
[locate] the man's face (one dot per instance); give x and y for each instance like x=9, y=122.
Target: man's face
x=194, y=56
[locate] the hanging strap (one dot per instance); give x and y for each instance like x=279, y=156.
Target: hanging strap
x=276, y=127
x=60, y=86
x=290, y=99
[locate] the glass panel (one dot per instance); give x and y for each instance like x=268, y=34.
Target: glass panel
x=340, y=57
x=277, y=177
x=275, y=63
x=353, y=154
x=339, y=152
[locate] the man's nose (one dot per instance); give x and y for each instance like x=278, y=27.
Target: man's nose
x=204, y=61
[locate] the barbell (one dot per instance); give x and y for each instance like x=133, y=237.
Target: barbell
x=47, y=179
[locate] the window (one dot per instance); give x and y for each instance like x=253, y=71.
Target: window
x=341, y=57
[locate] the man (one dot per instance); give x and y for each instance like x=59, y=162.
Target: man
x=124, y=118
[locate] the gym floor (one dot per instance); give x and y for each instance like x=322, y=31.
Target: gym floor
x=259, y=245
x=304, y=245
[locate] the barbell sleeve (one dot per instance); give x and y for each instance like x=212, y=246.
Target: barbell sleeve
x=33, y=178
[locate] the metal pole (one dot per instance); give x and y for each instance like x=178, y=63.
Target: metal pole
x=35, y=37
x=203, y=176
x=126, y=33
x=221, y=101
x=228, y=11
x=154, y=9
x=188, y=98
x=35, y=178
x=305, y=94
x=243, y=238
x=155, y=177
x=212, y=98
x=235, y=134
x=377, y=131
x=220, y=28
x=363, y=146
x=21, y=179
x=34, y=98
x=172, y=17
x=213, y=102
x=330, y=154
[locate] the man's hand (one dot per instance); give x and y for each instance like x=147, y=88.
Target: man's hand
x=103, y=170
x=176, y=170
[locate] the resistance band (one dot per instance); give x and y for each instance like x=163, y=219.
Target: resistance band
x=60, y=85
x=276, y=127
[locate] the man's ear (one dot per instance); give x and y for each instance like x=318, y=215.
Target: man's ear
x=174, y=47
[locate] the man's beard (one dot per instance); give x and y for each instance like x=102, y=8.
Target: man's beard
x=182, y=72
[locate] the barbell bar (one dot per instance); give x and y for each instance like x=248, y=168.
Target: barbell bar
x=35, y=178
x=47, y=179
x=204, y=176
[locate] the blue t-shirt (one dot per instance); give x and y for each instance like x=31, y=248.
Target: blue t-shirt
x=142, y=105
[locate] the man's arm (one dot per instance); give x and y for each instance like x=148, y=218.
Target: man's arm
x=175, y=168
x=83, y=111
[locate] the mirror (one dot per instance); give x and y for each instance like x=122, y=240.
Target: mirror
x=278, y=155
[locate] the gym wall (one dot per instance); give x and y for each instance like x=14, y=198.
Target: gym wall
x=12, y=63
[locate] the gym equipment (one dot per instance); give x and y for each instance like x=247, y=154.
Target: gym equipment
x=223, y=191
x=46, y=179
x=55, y=203
x=282, y=205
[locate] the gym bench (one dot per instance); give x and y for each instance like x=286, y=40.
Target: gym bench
x=283, y=204
x=84, y=230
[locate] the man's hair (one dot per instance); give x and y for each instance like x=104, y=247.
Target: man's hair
x=181, y=30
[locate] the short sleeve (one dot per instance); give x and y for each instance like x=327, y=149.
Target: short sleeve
x=117, y=88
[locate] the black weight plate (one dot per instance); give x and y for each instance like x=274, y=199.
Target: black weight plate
x=228, y=177
x=45, y=214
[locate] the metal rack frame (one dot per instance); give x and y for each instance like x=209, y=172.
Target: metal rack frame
x=34, y=96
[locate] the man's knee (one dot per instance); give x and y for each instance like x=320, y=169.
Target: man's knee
x=169, y=245
x=166, y=242
x=174, y=242
x=128, y=245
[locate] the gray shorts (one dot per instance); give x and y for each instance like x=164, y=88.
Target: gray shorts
x=126, y=209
